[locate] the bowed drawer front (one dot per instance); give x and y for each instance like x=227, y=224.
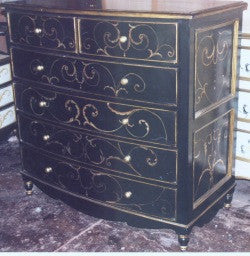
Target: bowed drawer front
x=128, y=158
x=111, y=119
x=136, y=83
x=129, y=40
x=42, y=31
x=103, y=187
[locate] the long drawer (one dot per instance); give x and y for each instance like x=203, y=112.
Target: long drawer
x=129, y=39
x=156, y=85
x=48, y=32
x=131, y=159
x=111, y=119
x=100, y=186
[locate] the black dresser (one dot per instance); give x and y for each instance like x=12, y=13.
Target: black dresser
x=126, y=109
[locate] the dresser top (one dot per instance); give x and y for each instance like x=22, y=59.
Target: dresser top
x=186, y=9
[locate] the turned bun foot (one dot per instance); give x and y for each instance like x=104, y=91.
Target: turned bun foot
x=228, y=201
x=183, y=241
x=28, y=185
x=227, y=206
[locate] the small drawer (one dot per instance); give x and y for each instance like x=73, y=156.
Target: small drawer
x=136, y=83
x=42, y=31
x=99, y=116
x=129, y=40
x=5, y=73
x=242, y=169
x=131, y=159
x=6, y=95
x=243, y=145
x=100, y=186
x=243, y=126
x=7, y=117
x=244, y=105
x=245, y=63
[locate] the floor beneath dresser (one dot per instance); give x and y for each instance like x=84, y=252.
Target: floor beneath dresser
x=39, y=223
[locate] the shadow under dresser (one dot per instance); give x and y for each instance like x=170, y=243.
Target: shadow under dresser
x=126, y=109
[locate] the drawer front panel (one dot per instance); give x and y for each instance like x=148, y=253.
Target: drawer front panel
x=100, y=186
x=242, y=169
x=5, y=73
x=104, y=117
x=42, y=31
x=245, y=63
x=243, y=145
x=7, y=117
x=146, y=84
x=244, y=105
x=117, y=156
x=129, y=40
x=6, y=95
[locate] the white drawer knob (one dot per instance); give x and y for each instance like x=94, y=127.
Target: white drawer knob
x=48, y=170
x=43, y=104
x=124, y=81
x=40, y=68
x=128, y=194
x=125, y=121
x=38, y=31
x=123, y=39
x=127, y=158
x=46, y=137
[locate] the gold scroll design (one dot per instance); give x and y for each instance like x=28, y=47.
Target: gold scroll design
x=52, y=32
x=86, y=115
x=141, y=38
x=105, y=187
x=4, y=117
x=208, y=151
x=97, y=151
x=88, y=76
x=210, y=54
x=6, y=93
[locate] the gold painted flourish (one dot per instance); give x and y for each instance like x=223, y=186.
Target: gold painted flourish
x=213, y=74
x=210, y=154
x=141, y=38
x=52, y=32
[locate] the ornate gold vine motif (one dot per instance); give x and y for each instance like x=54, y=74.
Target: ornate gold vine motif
x=108, y=188
x=127, y=40
x=97, y=151
x=210, y=156
x=213, y=65
x=43, y=32
x=127, y=121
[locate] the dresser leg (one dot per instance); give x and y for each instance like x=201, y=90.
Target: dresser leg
x=228, y=201
x=28, y=185
x=183, y=241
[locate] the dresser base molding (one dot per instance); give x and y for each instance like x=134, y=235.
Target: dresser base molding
x=101, y=210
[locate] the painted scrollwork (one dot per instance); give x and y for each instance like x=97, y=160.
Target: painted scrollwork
x=98, y=78
x=213, y=66
x=120, y=120
x=154, y=163
x=143, y=41
x=103, y=187
x=210, y=156
x=43, y=31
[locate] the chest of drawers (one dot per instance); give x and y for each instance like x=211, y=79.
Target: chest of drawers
x=128, y=114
